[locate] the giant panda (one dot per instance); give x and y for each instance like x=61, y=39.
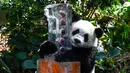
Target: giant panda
x=84, y=39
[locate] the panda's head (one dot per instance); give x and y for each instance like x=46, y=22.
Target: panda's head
x=85, y=34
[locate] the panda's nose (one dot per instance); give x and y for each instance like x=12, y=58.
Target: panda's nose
x=77, y=41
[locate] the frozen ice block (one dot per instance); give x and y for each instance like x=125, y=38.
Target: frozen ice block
x=59, y=17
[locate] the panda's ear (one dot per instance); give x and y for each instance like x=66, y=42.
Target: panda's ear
x=98, y=32
x=75, y=17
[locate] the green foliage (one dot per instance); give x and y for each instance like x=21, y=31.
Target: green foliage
x=117, y=40
x=22, y=55
x=29, y=64
x=4, y=66
x=23, y=24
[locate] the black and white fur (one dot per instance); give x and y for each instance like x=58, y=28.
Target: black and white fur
x=84, y=39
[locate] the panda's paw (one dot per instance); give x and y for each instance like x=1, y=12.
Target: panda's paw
x=47, y=48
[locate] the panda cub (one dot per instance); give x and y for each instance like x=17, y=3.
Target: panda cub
x=84, y=39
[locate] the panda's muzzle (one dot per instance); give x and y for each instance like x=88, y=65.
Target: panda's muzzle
x=77, y=40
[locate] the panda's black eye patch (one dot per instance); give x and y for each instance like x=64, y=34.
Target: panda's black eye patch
x=75, y=32
x=85, y=37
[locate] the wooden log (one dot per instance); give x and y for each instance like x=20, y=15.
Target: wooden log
x=51, y=66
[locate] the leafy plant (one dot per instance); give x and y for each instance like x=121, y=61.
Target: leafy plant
x=116, y=41
x=25, y=33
